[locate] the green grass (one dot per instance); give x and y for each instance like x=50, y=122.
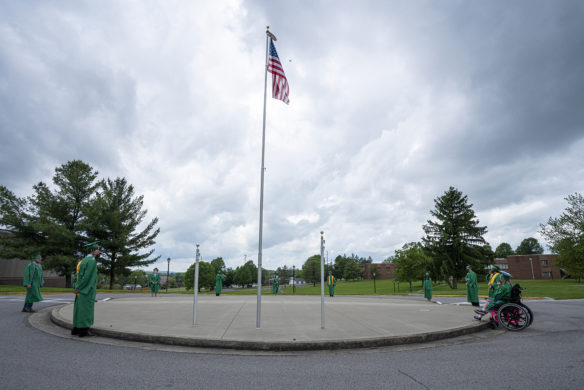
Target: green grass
x=557, y=289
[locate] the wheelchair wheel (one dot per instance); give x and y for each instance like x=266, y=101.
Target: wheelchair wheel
x=529, y=312
x=513, y=317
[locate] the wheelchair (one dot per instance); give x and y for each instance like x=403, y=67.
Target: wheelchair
x=512, y=315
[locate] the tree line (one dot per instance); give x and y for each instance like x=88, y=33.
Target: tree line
x=454, y=238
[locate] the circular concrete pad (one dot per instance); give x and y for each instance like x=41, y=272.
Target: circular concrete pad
x=287, y=322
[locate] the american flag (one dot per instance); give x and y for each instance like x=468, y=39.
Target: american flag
x=279, y=82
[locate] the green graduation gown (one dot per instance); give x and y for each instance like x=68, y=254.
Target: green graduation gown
x=154, y=283
x=492, y=280
x=275, y=285
x=219, y=283
x=33, y=274
x=86, y=284
x=332, y=282
x=501, y=295
x=427, y=288
x=472, y=287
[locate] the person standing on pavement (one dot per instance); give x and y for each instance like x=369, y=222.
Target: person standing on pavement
x=33, y=281
x=219, y=283
x=427, y=285
x=85, y=291
x=472, y=288
x=275, y=284
x=332, y=282
x=154, y=282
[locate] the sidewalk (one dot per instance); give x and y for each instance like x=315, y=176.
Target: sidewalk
x=287, y=322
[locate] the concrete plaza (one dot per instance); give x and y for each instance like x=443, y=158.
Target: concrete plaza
x=287, y=322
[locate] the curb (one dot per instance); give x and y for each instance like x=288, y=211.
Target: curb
x=277, y=345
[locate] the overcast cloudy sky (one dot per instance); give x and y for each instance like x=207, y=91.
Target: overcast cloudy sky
x=391, y=103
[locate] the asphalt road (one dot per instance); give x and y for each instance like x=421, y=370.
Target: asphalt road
x=548, y=355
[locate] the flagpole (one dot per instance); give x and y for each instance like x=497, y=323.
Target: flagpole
x=259, y=304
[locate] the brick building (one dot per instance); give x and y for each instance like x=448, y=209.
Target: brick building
x=531, y=266
x=382, y=271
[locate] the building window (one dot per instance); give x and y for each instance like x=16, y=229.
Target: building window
x=546, y=274
x=544, y=262
x=504, y=266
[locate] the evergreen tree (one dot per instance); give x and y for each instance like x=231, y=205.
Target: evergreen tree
x=114, y=219
x=455, y=238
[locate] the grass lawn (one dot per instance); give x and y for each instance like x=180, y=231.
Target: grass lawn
x=557, y=289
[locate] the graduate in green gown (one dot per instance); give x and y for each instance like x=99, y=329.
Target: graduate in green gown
x=427, y=285
x=85, y=290
x=154, y=282
x=33, y=281
x=492, y=279
x=501, y=295
x=331, y=282
x=472, y=288
x=275, y=284
x=219, y=283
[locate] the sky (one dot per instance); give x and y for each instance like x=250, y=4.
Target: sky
x=391, y=103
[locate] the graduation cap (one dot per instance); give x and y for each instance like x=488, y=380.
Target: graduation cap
x=92, y=245
x=36, y=255
x=469, y=266
x=506, y=275
x=496, y=267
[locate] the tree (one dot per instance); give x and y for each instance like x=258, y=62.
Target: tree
x=411, y=262
x=229, y=277
x=455, y=238
x=284, y=274
x=114, y=219
x=353, y=270
x=339, y=270
x=565, y=235
x=504, y=250
x=138, y=276
x=311, y=269
x=206, y=276
x=51, y=222
x=529, y=246
x=246, y=274
x=218, y=264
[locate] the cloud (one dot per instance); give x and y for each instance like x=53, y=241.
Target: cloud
x=391, y=104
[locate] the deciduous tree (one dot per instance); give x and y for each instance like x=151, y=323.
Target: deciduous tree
x=565, y=235
x=206, y=276
x=311, y=270
x=504, y=250
x=411, y=262
x=529, y=246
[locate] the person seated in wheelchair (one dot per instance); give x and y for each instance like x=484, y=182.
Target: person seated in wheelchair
x=501, y=295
